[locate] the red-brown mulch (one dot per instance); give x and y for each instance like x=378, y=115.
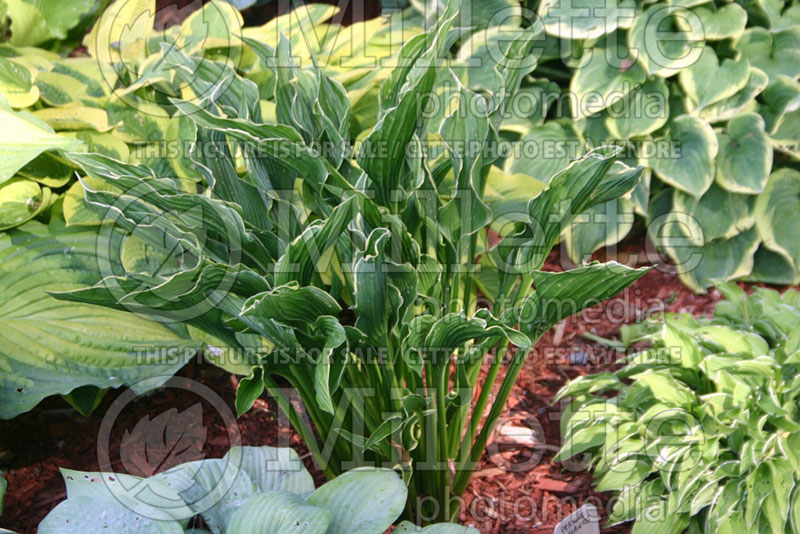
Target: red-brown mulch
x=528, y=498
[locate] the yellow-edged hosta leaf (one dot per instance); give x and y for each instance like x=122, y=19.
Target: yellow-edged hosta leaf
x=75, y=118
x=16, y=84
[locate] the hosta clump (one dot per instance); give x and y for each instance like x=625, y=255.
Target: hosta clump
x=250, y=489
x=702, y=94
x=703, y=428
x=354, y=281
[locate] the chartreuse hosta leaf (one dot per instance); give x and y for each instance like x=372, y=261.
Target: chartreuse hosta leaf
x=16, y=84
x=261, y=490
x=37, y=359
x=25, y=138
x=686, y=421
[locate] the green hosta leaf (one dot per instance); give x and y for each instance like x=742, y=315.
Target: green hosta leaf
x=22, y=200
x=582, y=19
x=744, y=159
x=407, y=527
x=560, y=295
x=643, y=111
x=775, y=53
x=25, y=138
x=16, y=84
x=777, y=205
x=279, y=512
x=3, y=488
x=690, y=167
x=604, y=76
x=544, y=151
x=727, y=21
x=708, y=81
x=85, y=399
x=772, y=268
x=366, y=501
x=625, y=473
x=662, y=42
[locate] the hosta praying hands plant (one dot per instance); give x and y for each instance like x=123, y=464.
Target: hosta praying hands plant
x=251, y=489
x=353, y=283
x=704, y=429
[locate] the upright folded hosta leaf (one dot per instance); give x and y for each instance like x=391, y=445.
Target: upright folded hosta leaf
x=744, y=159
x=365, y=501
x=22, y=200
x=24, y=138
x=604, y=76
x=576, y=19
x=560, y=295
x=776, y=211
x=51, y=347
x=689, y=164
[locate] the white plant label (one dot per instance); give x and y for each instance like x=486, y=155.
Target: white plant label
x=584, y=520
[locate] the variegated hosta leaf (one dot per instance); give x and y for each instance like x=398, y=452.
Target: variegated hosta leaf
x=725, y=22
x=772, y=268
x=775, y=53
x=688, y=164
x=22, y=200
x=744, y=160
x=664, y=41
x=717, y=214
x=643, y=111
x=600, y=226
x=744, y=100
x=579, y=19
x=24, y=138
x=543, y=151
x=776, y=209
x=709, y=80
x=605, y=75
x=16, y=84
x=104, y=346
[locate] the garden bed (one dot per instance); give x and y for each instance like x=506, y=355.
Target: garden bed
x=520, y=500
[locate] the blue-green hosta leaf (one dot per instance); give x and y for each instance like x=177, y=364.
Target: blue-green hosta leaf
x=776, y=207
x=16, y=84
x=560, y=295
x=279, y=512
x=643, y=111
x=21, y=200
x=544, y=151
x=24, y=139
x=775, y=53
x=662, y=41
x=744, y=159
x=744, y=100
x=215, y=488
x=604, y=76
x=45, y=337
x=690, y=167
x=725, y=22
x=585, y=19
x=406, y=527
x=708, y=80
x=602, y=225
x=89, y=515
x=366, y=501
x=273, y=468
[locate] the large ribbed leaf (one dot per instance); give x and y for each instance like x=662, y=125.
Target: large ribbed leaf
x=49, y=346
x=560, y=295
x=406, y=527
x=272, y=468
x=362, y=501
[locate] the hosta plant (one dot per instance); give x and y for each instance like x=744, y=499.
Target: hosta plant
x=701, y=431
x=352, y=283
x=250, y=489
